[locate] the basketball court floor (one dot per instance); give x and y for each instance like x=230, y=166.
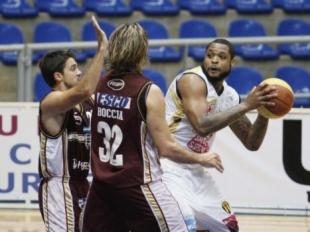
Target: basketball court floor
x=14, y=220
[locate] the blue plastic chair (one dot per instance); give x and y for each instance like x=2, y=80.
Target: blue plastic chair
x=157, y=78
x=17, y=9
x=40, y=87
x=10, y=34
x=293, y=6
x=108, y=7
x=251, y=28
x=297, y=27
x=243, y=79
x=203, y=7
x=88, y=34
x=250, y=6
x=299, y=79
x=61, y=8
x=197, y=28
x=52, y=32
x=156, y=30
x=156, y=7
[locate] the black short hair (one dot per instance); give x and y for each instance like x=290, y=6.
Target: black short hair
x=54, y=62
x=225, y=42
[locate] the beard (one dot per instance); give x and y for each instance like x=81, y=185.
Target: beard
x=219, y=78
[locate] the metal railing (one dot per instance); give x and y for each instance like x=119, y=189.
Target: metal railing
x=24, y=64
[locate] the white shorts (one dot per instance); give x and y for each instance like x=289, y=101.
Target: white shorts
x=199, y=197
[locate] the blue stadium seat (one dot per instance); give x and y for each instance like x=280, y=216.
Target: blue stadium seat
x=251, y=28
x=40, y=87
x=88, y=34
x=293, y=6
x=10, y=34
x=108, y=7
x=297, y=27
x=197, y=28
x=156, y=30
x=51, y=32
x=299, y=80
x=156, y=7
x=203, y=7
x=17, y=9
x=250, y=6
x=61, y=8
x=158, y=78
x=243, y=79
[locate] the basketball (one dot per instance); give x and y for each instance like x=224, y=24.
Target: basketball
x=284, y=101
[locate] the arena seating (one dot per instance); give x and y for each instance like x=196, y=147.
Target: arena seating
x=299, y=80
x=203, y=7
x=60, y=8
x=108, y=7
x=53, y=32
x=156, y=7
x=10, y=34
x=157, y=77
x=248, y=28
x=243, y=79
x=250, y=6
x=156, y=30
x=88, y=34
x=293, y=6
x=290, y=27
x=17, y=9
x=197, y=28
x=40, y=87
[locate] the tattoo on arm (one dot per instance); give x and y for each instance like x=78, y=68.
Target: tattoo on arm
x=251, y=135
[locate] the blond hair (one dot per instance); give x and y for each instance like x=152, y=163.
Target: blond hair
x=127, y=49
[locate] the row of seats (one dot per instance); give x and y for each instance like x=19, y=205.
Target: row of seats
x=194, y=28
x=41, y=88
x=243, y=79
x=67, y=8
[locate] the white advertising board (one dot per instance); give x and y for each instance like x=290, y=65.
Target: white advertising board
x=274, y=179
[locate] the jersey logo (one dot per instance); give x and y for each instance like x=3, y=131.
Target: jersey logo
x=116, y=84
x=113, y=101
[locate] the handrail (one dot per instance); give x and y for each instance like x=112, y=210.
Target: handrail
x=24, y=79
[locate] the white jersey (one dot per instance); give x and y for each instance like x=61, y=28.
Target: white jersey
x=202, y=204
x=178, y=122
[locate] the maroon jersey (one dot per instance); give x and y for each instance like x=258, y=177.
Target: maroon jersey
x=123, y=154
x=67, y=154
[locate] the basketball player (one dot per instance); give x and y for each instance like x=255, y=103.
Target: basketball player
x=199, y=103
x=129, y=132
x=65, y=135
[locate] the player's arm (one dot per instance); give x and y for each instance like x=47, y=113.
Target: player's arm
x=58, y=102
x=165, y=143
x=251, y=135
x=193, y=92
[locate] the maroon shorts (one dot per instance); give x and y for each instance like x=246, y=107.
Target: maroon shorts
x=149, y=207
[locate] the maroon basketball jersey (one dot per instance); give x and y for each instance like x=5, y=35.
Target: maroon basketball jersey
x=67, y=154
x=122, y=149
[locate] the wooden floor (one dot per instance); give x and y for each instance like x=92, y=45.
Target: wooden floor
x=30, y=221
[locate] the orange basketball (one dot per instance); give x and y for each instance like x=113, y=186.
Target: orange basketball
x=284, y=101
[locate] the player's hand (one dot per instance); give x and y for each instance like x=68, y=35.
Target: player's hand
x=261, y=95
x=101, y=36
x=212, y=160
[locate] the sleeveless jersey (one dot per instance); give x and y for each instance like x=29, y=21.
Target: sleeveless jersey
x=178, y=122
x=123, y=152
x=67, y=154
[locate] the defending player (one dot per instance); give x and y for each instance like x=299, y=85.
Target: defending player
x=64, y=123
